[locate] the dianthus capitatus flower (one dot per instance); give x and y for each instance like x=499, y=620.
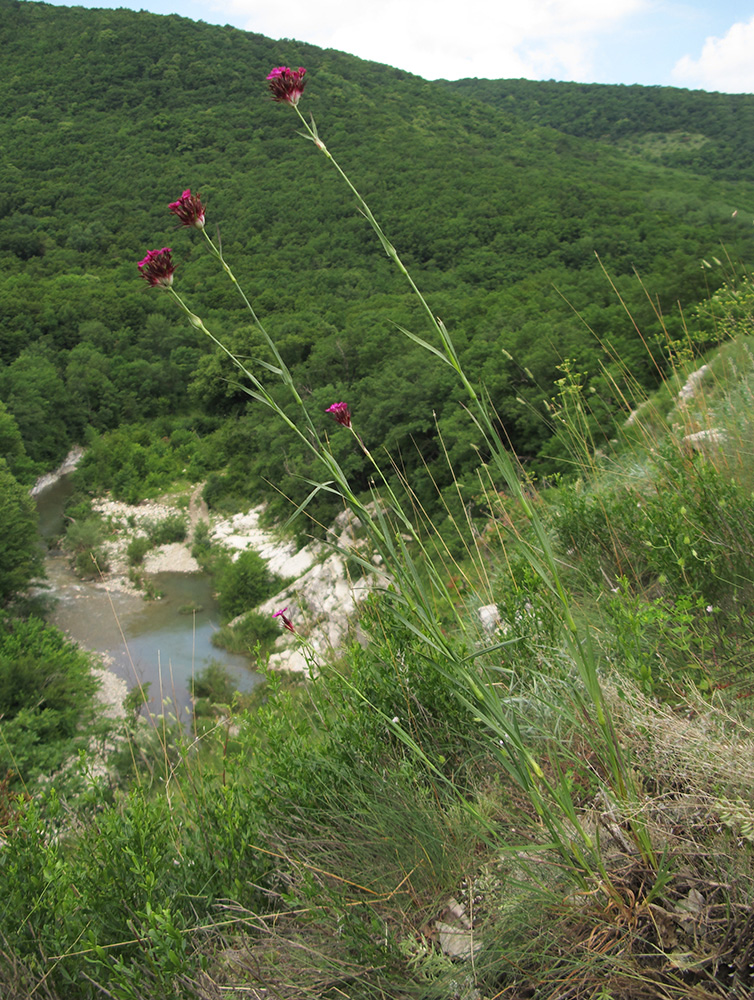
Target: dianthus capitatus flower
x=341, y=413
x=287, y=85
x=189, y=209
x=157, y=268
x=284, y=619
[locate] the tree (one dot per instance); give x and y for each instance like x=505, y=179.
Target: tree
x=41, y=405
x=12, y=446
x=243, y=584
x=20, y=548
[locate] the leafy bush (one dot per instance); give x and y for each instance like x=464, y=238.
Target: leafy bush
x=83, y=539
x=167, y=530
x=20, y=555
x=251, y=632
x=243, y=584
x=136, y=550
x=133, y=462
x=46, y=693
x=211, y=690
x=201, y=542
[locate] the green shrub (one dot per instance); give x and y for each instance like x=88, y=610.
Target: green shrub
x=169, y=529
x=46, y=693
x=83, y=539
x=133, y=462
x=252, y=632
x=137, y=549
x=213, y=488
x=243, y=584
x=20, y=557
x=683, y=524
x=212, y=688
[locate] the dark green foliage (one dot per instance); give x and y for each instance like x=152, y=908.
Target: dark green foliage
x=45, y=413
x=168, y=530
x=83, y=539
x=137, y=460
x=46, y=691
x=12, y=447
x=709, y=133
x=137, y=549
x=251, y=632
x=243, y=584
x=213, y=683
x=492, y=211
x=212, y=691
x=20, y=545
x=201, y=543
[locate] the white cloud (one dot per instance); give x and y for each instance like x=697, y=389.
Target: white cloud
x=445, y=38
x=726, y=64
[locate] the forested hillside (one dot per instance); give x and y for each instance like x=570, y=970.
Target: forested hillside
x=709, y=134
x=106, y=116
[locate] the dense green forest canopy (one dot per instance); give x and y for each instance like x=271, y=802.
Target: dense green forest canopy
x=106, y=116
x=707, y=133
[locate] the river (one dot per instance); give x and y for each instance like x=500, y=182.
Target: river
x=155, y=642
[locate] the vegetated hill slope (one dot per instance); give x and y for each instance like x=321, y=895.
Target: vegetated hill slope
x=106, y=116
x=707, y=133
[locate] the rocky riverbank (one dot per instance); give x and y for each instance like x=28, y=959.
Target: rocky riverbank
x=68, y=464
x=321, y=598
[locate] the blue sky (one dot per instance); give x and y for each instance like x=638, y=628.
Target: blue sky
x=698, y=44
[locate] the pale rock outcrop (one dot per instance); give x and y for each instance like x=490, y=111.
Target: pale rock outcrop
x=323, y=599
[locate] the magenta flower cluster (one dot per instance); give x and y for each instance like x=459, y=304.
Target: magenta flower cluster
x=341, y=413
x=157, y=268
x=286, y=84
x=284, y=619
x=189, y=209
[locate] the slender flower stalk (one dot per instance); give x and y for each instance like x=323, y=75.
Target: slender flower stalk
x=190, y=210
x=311, y=438
x=390, y=528
x=541, y=555
x=391, y=545
x=448, y=354
x=342, y=415
x=412, y=601
x=481, y=417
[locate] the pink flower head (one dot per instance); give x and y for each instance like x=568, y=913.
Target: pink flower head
x=189, y=209
x=157, y=268
x=286, y=621
x=341, y=413
x=287, y=85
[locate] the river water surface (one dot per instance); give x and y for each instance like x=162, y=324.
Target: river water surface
x=153, y=642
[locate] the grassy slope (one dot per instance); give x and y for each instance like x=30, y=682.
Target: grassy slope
x=347, y=834
x=311, y=847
